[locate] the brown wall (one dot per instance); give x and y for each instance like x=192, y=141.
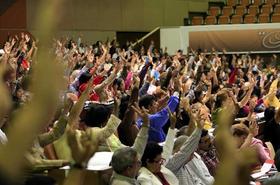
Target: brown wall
x=13, y=20
x=99, y=19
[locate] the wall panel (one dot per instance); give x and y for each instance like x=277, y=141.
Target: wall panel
x=119, y=15
x=13, y=20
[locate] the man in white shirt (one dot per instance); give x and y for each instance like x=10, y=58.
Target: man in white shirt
x=191, y=171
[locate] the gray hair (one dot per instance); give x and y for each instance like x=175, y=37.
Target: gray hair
x=122, y=159
x=275, y=180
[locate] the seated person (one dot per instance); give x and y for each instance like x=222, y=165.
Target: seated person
x=191, y=170
x=126, y=160
x=36, y=156
x=208, y=152
x=157, y=118
x=244, y=137
x=126, y=164
x=179, y=155
x=271, y=130
x=152, y=170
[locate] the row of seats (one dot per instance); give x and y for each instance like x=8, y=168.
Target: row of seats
x=242, y=10
x=236, y=19
x=251, y=2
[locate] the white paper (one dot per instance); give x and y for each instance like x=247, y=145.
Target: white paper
x=260, y=115
x=65, y=168
x=257, y=175
x=152, y=89
x=100, y=161
x=265, y=168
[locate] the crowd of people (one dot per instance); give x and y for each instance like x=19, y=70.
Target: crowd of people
x=157, y=112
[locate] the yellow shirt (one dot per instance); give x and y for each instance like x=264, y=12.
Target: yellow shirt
x=272, y=100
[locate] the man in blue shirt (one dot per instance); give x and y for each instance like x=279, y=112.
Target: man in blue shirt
x=157, y=119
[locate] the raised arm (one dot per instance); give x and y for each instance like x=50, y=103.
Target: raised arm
x=246, y=98
x=162, y=116
x=272, y=89
x=128, y=116
x=186, y=106
x=59, y=127
x=100, y=88
x=83, y=147
x=208, y=94
x=252, y=129
x=143, y=90
x=78, y=107
x=142, y=137
x=56, y=132
x=31, y=51
x=169, y=141
x=180, y=158
x=106, y=131
x=103, y=57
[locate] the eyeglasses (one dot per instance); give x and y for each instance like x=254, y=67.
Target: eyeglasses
x=160, y=161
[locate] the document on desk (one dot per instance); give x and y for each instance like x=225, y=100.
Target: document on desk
x=265, y=168
x=100, y=161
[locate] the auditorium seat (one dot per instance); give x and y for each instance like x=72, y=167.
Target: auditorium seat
x=253, y=10
x=210, y=20
x=197, y=20
x=224, y=19
x=277, y=8
x=214, y=11
x=240, y=10
x=275, y=18
x=249, y=19
x=236, y=19
x=266, y=9
x=270, y=2
x=227, y=10
x=244, y=2
x=231, y=2
x=256, y=2
x=263, y=18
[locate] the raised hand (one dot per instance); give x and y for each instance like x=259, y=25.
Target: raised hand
x=251, y=79
x=27, y=38
x=118, y=67
x=185, y=104
x=104, y=48
x=201, y=57
x=143, y=113
x=7, y=48
x=200, y=118
x=13, y=41
x=253, y=128
x=117, y=103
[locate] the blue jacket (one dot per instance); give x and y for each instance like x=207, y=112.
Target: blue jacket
x=158, y=120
